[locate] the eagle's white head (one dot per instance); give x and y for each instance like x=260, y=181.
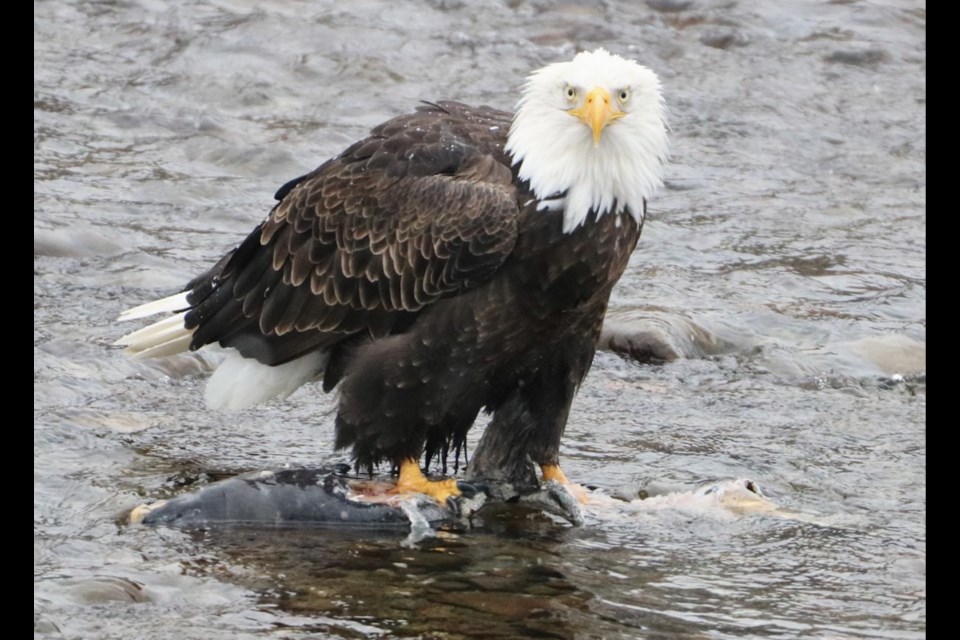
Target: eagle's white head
x=593, y=129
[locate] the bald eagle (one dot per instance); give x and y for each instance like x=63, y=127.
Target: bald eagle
x=458, y=259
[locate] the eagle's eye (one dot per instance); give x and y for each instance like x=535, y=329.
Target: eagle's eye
x=623, y=95
x=570, y=93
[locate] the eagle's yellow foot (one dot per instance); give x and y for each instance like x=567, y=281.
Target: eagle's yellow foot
x=412, y=480
x=554, y=472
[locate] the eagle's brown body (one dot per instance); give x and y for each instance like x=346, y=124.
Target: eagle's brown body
x=435, y=282
x=456, y=260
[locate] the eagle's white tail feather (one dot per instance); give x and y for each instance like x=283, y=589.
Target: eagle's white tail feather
x=241, y=382
x=163, y=338
x=238, y=382
x=170, y=304
x=172, y=347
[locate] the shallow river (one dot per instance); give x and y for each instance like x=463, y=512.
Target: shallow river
x=785, y=258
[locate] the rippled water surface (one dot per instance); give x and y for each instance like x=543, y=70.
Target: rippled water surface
x=784, y=260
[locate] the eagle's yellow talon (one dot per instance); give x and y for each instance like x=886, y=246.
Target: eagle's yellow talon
x=555, y=473
x=412, y=480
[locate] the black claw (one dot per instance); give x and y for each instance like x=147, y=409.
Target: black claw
x=472, y=495
x=556, y=499
x=453, y=504
x=471, y=489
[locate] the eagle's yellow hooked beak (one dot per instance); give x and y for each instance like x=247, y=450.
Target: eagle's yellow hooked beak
x=596, y=112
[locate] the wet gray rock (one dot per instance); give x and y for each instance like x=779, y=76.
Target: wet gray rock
x=870, y=58
x=669, y=6
x=724, y=38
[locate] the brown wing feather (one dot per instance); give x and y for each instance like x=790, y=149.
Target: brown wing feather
x=422, y=209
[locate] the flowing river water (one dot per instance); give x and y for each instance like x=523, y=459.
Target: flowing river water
x=785, y=259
